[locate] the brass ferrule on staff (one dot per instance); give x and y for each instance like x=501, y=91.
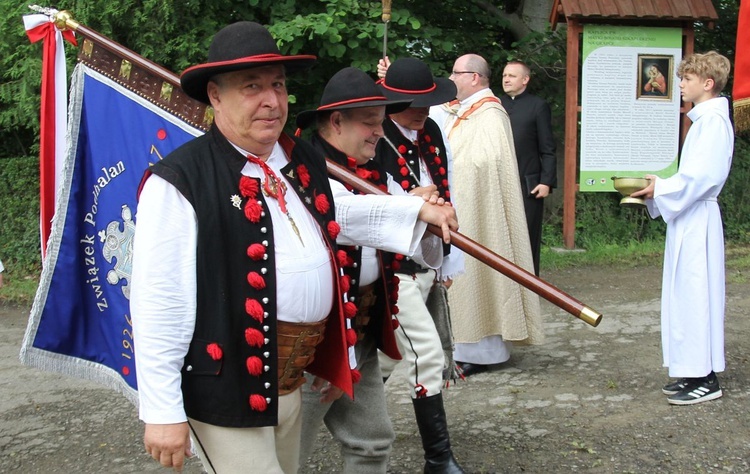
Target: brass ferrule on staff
x=386, y=11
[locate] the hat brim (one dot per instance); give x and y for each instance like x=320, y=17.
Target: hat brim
x=305, y=119
x=445, y=91
x=194, y=80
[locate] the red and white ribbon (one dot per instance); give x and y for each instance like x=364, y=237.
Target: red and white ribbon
x=54, y=114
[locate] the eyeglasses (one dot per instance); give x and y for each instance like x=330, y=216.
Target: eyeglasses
x=456, y=73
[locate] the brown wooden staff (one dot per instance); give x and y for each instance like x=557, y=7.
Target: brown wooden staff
x=63, y=20
x=547, y=291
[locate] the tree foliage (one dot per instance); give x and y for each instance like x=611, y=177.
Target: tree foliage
x=340, y=32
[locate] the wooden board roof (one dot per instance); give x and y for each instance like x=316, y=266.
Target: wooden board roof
x=646, y=11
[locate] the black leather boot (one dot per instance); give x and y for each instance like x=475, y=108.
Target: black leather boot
x=433, y=429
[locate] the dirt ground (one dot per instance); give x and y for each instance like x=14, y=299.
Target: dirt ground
x=588, y=400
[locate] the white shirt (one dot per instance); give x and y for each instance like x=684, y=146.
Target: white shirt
x=383, y=219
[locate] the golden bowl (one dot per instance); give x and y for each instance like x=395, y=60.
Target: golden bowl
x=627, y=185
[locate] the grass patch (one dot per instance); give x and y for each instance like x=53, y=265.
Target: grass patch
x=18, y=291
x=634, y=254
x=738, y=263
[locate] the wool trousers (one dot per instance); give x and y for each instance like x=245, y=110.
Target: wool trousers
x=360, y=425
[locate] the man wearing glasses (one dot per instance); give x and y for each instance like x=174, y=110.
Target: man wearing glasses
x=487, y=309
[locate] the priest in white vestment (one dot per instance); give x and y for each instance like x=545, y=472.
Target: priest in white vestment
x=488, y=309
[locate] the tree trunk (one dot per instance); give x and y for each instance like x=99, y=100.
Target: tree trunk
x=531, y=15
x=536, y=13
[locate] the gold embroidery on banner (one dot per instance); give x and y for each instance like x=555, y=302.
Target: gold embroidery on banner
x=125, y=68
x=208, y=116
x=166, y=91
x=88, y=48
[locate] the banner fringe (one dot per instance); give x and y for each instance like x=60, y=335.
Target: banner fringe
x=741, y=115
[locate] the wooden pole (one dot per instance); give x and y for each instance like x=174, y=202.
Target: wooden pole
x=570, y=180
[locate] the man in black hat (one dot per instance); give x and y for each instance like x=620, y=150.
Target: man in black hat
x=349, y=126
x=415, y=153
x=235, y=279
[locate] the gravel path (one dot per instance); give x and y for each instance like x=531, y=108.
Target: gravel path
x=588, y=401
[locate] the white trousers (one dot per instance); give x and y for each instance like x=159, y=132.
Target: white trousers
x=418, y=340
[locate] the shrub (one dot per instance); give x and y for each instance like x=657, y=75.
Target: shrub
x=19, y=215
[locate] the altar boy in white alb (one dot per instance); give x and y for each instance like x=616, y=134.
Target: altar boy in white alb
x=692, y=305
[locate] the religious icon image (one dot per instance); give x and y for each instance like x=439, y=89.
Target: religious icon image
x=655, y=77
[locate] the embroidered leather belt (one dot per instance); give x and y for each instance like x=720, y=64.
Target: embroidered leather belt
x=366, y=301
x=296, y=344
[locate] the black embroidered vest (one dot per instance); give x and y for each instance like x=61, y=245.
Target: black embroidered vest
x=386, y=288
x=230, y=375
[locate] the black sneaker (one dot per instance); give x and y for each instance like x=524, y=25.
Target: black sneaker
x=674, y=387
x=697, y=393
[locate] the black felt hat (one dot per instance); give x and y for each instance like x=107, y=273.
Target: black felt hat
x=241, y=45
x=410, y=78
x=351, y=88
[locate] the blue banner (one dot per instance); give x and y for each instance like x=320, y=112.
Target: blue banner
x=80, y=321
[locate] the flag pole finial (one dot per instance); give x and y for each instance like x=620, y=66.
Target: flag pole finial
x=63, y=19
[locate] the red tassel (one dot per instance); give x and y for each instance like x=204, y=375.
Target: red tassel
x=254, y=309
x=402, y=149
x=350, y=309
x=253, y=211
x=341, y=257
x=254, y=337
x=351, y=337
x=427, y=138
x=420, y=390
x=304, y=175
x=405, y=184
x=363, y=173
x=258, y=402
x=256, y=281
x=356, y=376
x=345, y=282
x=248, y=187
x=254, y=366
x=394, y=310
x=214, y=350
x=322, y=204
x=334, y=229
x=256, y=251
x=395, y=323
x=395, y=266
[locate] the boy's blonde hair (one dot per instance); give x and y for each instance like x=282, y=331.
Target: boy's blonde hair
x=710, y=65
